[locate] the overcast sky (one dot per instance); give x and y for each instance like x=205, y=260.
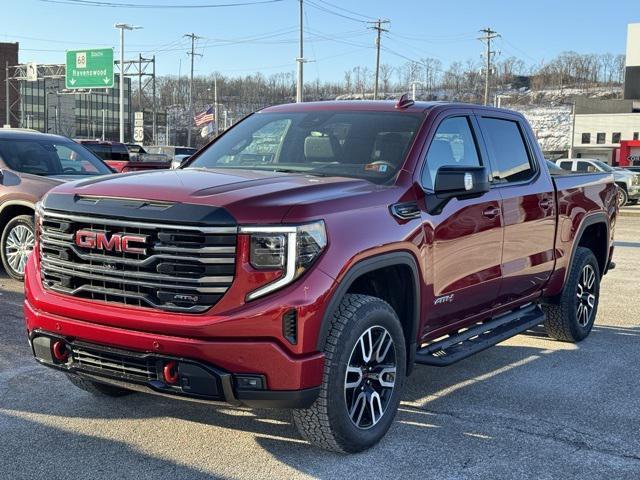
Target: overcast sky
x=263, y=37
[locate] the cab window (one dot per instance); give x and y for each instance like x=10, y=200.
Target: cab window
x=566, y=165
x=452, y=145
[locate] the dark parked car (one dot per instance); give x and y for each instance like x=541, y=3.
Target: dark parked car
x=117, y=156
x=313, y=253
x=137, y=153
x=171, y=150
x=30, y=165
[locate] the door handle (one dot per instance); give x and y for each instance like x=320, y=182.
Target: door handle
x=545, y=203
x=491, y=212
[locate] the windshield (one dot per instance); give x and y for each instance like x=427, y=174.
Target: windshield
x=603, y=166
x=367, y=145
x=46, y=157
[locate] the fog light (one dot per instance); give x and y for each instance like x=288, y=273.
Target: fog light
x=250, y=382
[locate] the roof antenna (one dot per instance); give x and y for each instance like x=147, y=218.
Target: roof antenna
x=404, y=101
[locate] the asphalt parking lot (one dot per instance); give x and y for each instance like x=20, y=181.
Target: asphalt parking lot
x=528, y=408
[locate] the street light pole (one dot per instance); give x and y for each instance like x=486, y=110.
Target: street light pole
x=300, y=59
x=122, y=27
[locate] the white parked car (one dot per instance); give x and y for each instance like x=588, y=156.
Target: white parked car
x=628, y=182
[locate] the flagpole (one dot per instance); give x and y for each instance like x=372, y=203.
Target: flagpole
x=215, y=101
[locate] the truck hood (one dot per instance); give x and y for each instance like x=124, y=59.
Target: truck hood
x=250, y=196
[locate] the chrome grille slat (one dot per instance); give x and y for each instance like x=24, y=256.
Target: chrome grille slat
x=105, y=278
x=140, y=297
x=185, y=269
x=150, y=259
x=70, y=267
x=195, y=250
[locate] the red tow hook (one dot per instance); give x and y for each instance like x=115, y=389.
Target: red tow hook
x=170, y=372
x=60, y=351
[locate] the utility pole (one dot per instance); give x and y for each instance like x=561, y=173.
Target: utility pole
x=122, y=27
x=487, y=37
x=8, y=113
x=300, y=59
x=414, y=84
x=573, y=129
x=193, y=38
x=377, y=25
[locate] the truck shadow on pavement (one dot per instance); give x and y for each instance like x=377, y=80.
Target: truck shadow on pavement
x=475, y=414
x=440, y=410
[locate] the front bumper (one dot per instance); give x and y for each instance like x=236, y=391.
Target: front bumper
x=633, y=192
x=147, y=373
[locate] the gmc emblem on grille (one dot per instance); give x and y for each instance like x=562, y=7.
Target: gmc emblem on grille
x=117, y=242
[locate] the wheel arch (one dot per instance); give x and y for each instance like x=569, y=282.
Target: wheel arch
x=366, y=276
x=14, y=208
x=593, y=234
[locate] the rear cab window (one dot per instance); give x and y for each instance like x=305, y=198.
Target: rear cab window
x=566, y=165
x=512, y=160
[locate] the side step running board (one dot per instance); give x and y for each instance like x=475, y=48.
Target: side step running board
x=459, y=346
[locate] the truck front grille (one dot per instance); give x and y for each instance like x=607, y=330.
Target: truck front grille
x=169, y=267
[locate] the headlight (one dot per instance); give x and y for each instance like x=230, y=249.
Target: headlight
x=292, y=249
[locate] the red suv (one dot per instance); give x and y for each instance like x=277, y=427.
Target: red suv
x=311, y=255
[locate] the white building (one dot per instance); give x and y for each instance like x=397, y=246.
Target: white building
x=600, y=125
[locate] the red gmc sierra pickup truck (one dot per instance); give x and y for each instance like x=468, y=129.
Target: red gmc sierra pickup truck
x=311, y=255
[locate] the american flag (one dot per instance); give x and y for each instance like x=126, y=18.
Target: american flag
x=204, y=117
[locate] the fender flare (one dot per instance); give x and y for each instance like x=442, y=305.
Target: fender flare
x=13, y=203
x=363, y=267
x=589, y=220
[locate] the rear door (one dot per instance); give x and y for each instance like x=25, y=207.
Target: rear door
x=528, y=204
x=463, y=246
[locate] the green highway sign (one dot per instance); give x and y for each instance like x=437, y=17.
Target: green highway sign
x=89, y=68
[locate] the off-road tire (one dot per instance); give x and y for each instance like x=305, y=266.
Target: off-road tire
x=25, y=220
x=561, y=320
x=97, y=389
x=326, y=423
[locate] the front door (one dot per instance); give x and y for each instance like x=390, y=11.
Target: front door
x=463, y=243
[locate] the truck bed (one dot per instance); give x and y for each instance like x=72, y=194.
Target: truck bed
x=579, y=196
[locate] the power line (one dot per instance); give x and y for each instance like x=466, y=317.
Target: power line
x=333, y=12
x=347, y=10
x=487, y=37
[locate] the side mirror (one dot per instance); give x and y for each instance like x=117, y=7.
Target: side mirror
x=456, y=182
x=179, y=162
